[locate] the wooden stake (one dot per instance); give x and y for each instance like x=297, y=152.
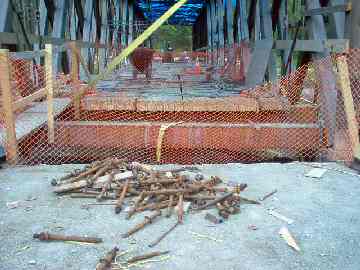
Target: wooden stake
x=49, y=91
x=344, y=82
x=7, y=105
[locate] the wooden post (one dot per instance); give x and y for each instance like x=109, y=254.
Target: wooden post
x=7, y=106
x=74, y=62
x=49, y=91
x=353, y=127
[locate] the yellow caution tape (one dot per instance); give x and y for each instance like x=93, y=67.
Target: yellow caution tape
x=137, y=42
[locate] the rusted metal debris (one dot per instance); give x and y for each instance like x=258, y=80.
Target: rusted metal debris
x=148, y=189
x=45, y=236
x=157, y=241
x=138, y=227
x=105, y=263
x=147, y=256
x=268, y=195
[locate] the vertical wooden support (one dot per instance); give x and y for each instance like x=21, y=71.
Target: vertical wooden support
x=220, y=18
x=209, y=31
x=49, y=91
x=74, y=62
x=353, y=127
x=7, y=107
x=131, y=21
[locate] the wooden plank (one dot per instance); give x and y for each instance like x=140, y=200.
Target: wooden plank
x=353, y=127
x=257, y=68
x=328, y=10
x=26, y=101
x=7, y=107
x=319, y=46
x=49, y=91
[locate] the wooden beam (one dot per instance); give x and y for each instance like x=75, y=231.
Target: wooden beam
x=26, y=101
x=7, y=107
x=352, y=124
x=49, y=91
x=328, y=10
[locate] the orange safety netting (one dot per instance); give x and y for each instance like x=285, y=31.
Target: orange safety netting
x=194, y=110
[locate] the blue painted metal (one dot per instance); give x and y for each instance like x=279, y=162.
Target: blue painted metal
x=186, y=15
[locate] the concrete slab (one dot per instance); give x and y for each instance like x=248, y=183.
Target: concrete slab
x=325, y=213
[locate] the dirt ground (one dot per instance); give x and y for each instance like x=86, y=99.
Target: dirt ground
x=325, y=211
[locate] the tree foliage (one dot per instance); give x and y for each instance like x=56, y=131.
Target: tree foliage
x=179, y=37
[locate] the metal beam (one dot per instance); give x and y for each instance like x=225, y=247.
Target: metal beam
x=4, y=12
x=230, y=22
x=104, y=33
x=88, y=11
x=59, y=28
x=243, y=28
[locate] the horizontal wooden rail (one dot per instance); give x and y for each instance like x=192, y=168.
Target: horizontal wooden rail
x=25, y=101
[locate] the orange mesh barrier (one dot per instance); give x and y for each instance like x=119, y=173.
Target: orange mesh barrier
x=203, y=120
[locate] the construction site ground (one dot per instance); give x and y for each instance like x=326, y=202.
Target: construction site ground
x=325, y=213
